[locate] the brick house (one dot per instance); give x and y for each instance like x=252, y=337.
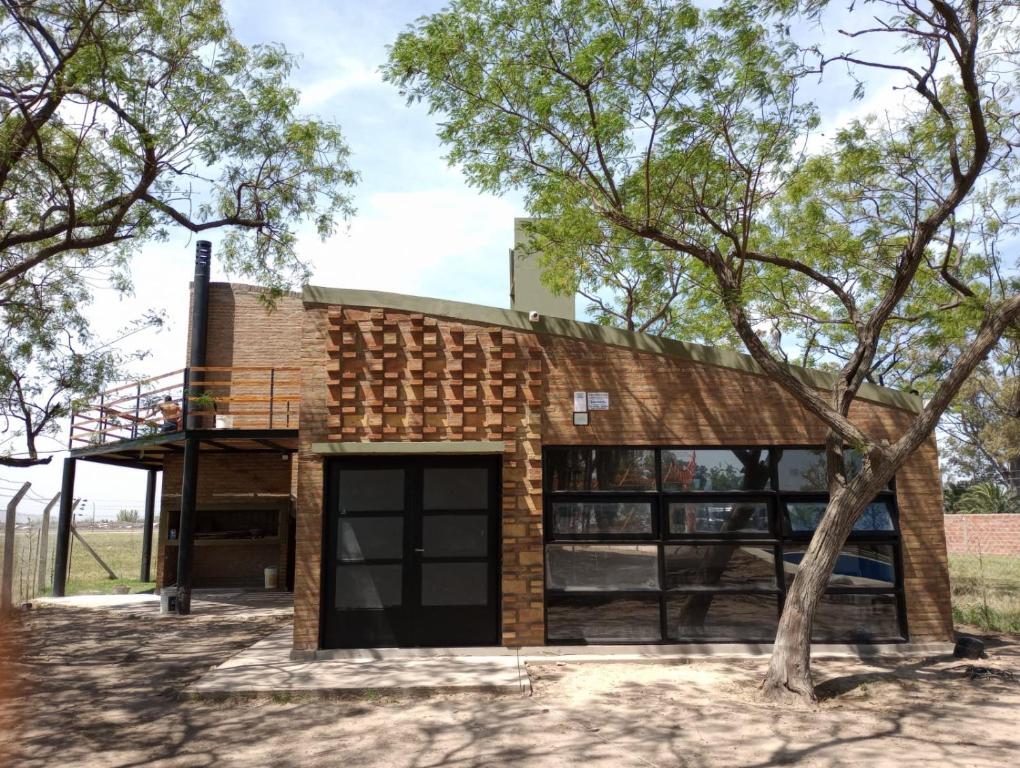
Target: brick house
x=434, y=473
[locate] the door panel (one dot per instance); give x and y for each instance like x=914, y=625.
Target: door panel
x=411, y=552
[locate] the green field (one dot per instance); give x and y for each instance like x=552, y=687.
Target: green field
x=121, y=550
x=986, y=591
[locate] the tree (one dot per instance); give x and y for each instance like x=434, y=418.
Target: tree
x=128, y=516
x=987, y=499
x=49, y=355
x=662, y=128
x=119, y=120
x=123, y=118
x=983, y=425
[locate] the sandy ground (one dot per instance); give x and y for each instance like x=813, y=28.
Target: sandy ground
x=102, y=688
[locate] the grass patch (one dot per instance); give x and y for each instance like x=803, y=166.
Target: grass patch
x=986, y=591
x=120, y=549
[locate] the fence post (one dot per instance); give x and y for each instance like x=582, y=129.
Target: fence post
x=6, y=589
x=44, y=545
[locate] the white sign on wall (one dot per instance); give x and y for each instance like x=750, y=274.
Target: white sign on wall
x=598, y=401
x=580, y=402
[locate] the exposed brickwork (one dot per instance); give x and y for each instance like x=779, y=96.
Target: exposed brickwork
x=236, y=479
x=370, y=375
x=659, y=400
x=399, y=376
x=983, y=534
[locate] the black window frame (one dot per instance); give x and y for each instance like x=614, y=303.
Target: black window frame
x=779, y=537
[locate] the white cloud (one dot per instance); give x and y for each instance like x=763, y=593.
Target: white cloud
x=350, y=75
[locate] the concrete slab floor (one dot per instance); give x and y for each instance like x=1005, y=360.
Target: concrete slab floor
x=269, y=667
x=266, y=669
x=217, y=602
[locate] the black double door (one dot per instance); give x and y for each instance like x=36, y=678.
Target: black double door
x=411, y=552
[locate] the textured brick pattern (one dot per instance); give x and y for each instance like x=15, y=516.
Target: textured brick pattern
x=983, y=534
x=399, y=376
x=370, y=375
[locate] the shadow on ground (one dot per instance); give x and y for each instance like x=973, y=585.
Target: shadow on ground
x=102, y=688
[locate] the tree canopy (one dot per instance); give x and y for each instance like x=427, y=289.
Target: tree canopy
x=121, y=120
x=124, y=118
x=671, y=155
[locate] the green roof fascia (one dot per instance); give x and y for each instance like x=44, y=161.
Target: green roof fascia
x=598, y=334
x=446, y=448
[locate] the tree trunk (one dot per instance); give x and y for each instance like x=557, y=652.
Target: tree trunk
x=789, y=674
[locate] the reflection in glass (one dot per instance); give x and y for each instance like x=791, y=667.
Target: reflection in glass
x=751, y=517
x=454, y=584
x=455, y=488
x=371, y=490
x=581, y=518
x=601, y=566
x=368, y=586
x=603, y=618
x=858, y=565
x=600, y=469
x=848, y=618
x=455, y=535
x=721, y=616
x=371, y=538
x=804, y=516
x=802, y=469
x=715, y=470
x=720, y=566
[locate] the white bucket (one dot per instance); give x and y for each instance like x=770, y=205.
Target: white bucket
x=224, y=422
x=270, y=576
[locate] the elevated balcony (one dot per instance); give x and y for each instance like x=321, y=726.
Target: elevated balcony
x=240, y=408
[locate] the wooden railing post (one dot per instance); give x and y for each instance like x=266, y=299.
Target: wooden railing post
x=272, y=384
x=138, y=406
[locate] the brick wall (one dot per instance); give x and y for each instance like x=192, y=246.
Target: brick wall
x=373, y=375
x=233, y=479
x=983, y=534
x=661, y=400
x=370, y=375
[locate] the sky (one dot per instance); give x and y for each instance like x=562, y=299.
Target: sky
x=419, y=228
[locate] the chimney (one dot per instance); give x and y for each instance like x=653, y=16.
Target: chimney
x=200, y=303
x=527, y=293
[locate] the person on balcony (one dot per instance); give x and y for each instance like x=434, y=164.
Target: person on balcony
x=171, y=413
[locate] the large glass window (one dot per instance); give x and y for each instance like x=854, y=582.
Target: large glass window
x=601, y=567
x=702, y=543
x=594, y=518
x=723, y=517
x=600, y=469
x=721, y=566
x=714, y=470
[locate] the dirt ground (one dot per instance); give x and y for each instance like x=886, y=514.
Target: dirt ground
x=103, y=688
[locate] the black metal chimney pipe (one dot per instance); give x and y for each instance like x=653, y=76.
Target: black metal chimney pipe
x=200, y=303
x=189, y=470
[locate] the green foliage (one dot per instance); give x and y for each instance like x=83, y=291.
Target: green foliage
x=987, y=499
x=128, y=516
x=661, y=146
x=123, y=119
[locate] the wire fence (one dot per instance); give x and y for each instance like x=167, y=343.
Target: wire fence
x=104, y=558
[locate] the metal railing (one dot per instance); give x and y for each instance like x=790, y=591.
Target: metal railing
x=207, y=397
